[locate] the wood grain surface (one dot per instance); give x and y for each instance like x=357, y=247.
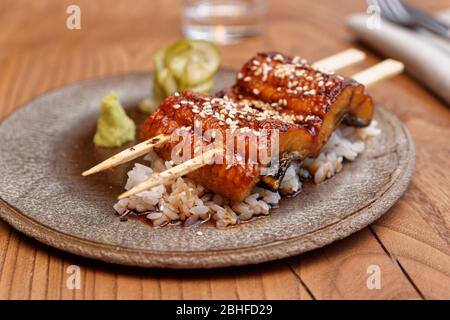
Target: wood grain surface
x=410, y=244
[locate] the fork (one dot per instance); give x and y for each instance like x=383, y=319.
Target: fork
x=408, y=16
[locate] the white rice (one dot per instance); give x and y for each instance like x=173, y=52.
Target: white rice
x=183, y=201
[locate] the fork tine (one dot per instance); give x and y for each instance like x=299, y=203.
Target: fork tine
x=397, y=10
x=372, y=3
x=400, y=9
x=384, y=9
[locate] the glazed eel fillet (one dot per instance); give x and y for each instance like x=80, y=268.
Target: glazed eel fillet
x=317, y=99
x=190, y=111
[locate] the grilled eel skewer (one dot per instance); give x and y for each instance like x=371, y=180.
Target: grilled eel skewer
x=293, y=87
x=273, y=81
x=301, y=135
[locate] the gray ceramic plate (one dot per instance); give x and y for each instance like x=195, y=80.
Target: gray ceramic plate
x=46, y=144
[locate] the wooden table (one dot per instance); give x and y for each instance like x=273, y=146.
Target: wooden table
x=410, y=244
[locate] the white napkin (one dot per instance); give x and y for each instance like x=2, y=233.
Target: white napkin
x=426, y=56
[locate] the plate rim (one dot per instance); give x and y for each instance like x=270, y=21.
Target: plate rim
x=378, y=206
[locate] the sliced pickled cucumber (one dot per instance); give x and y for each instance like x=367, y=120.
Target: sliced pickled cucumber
x=150, y=105
x=204, y=87
x=158, y=59
x=184, y=65
x=167, y=82
x=163, y=77
x=203, y=63
x=177, y=56
x=157, y=91
x=182, y=45
x=177, y=65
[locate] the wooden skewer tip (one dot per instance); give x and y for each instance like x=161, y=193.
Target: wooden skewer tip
x=127, y=154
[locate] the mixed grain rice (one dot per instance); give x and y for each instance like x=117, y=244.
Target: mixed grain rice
x=184, y=202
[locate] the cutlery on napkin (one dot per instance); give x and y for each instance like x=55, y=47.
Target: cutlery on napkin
x=426, y=56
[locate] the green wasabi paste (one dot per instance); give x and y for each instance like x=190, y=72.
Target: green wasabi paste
x=114, y=127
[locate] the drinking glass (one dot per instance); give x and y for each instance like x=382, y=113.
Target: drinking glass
x=223, y=21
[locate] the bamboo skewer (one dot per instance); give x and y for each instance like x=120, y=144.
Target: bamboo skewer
x=334, y=62
x=128, y=154
x=173, y=173
x=385, y=69
x=340, y=60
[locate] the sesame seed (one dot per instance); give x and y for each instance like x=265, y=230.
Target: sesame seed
x=278, y=57
x=296, y=59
